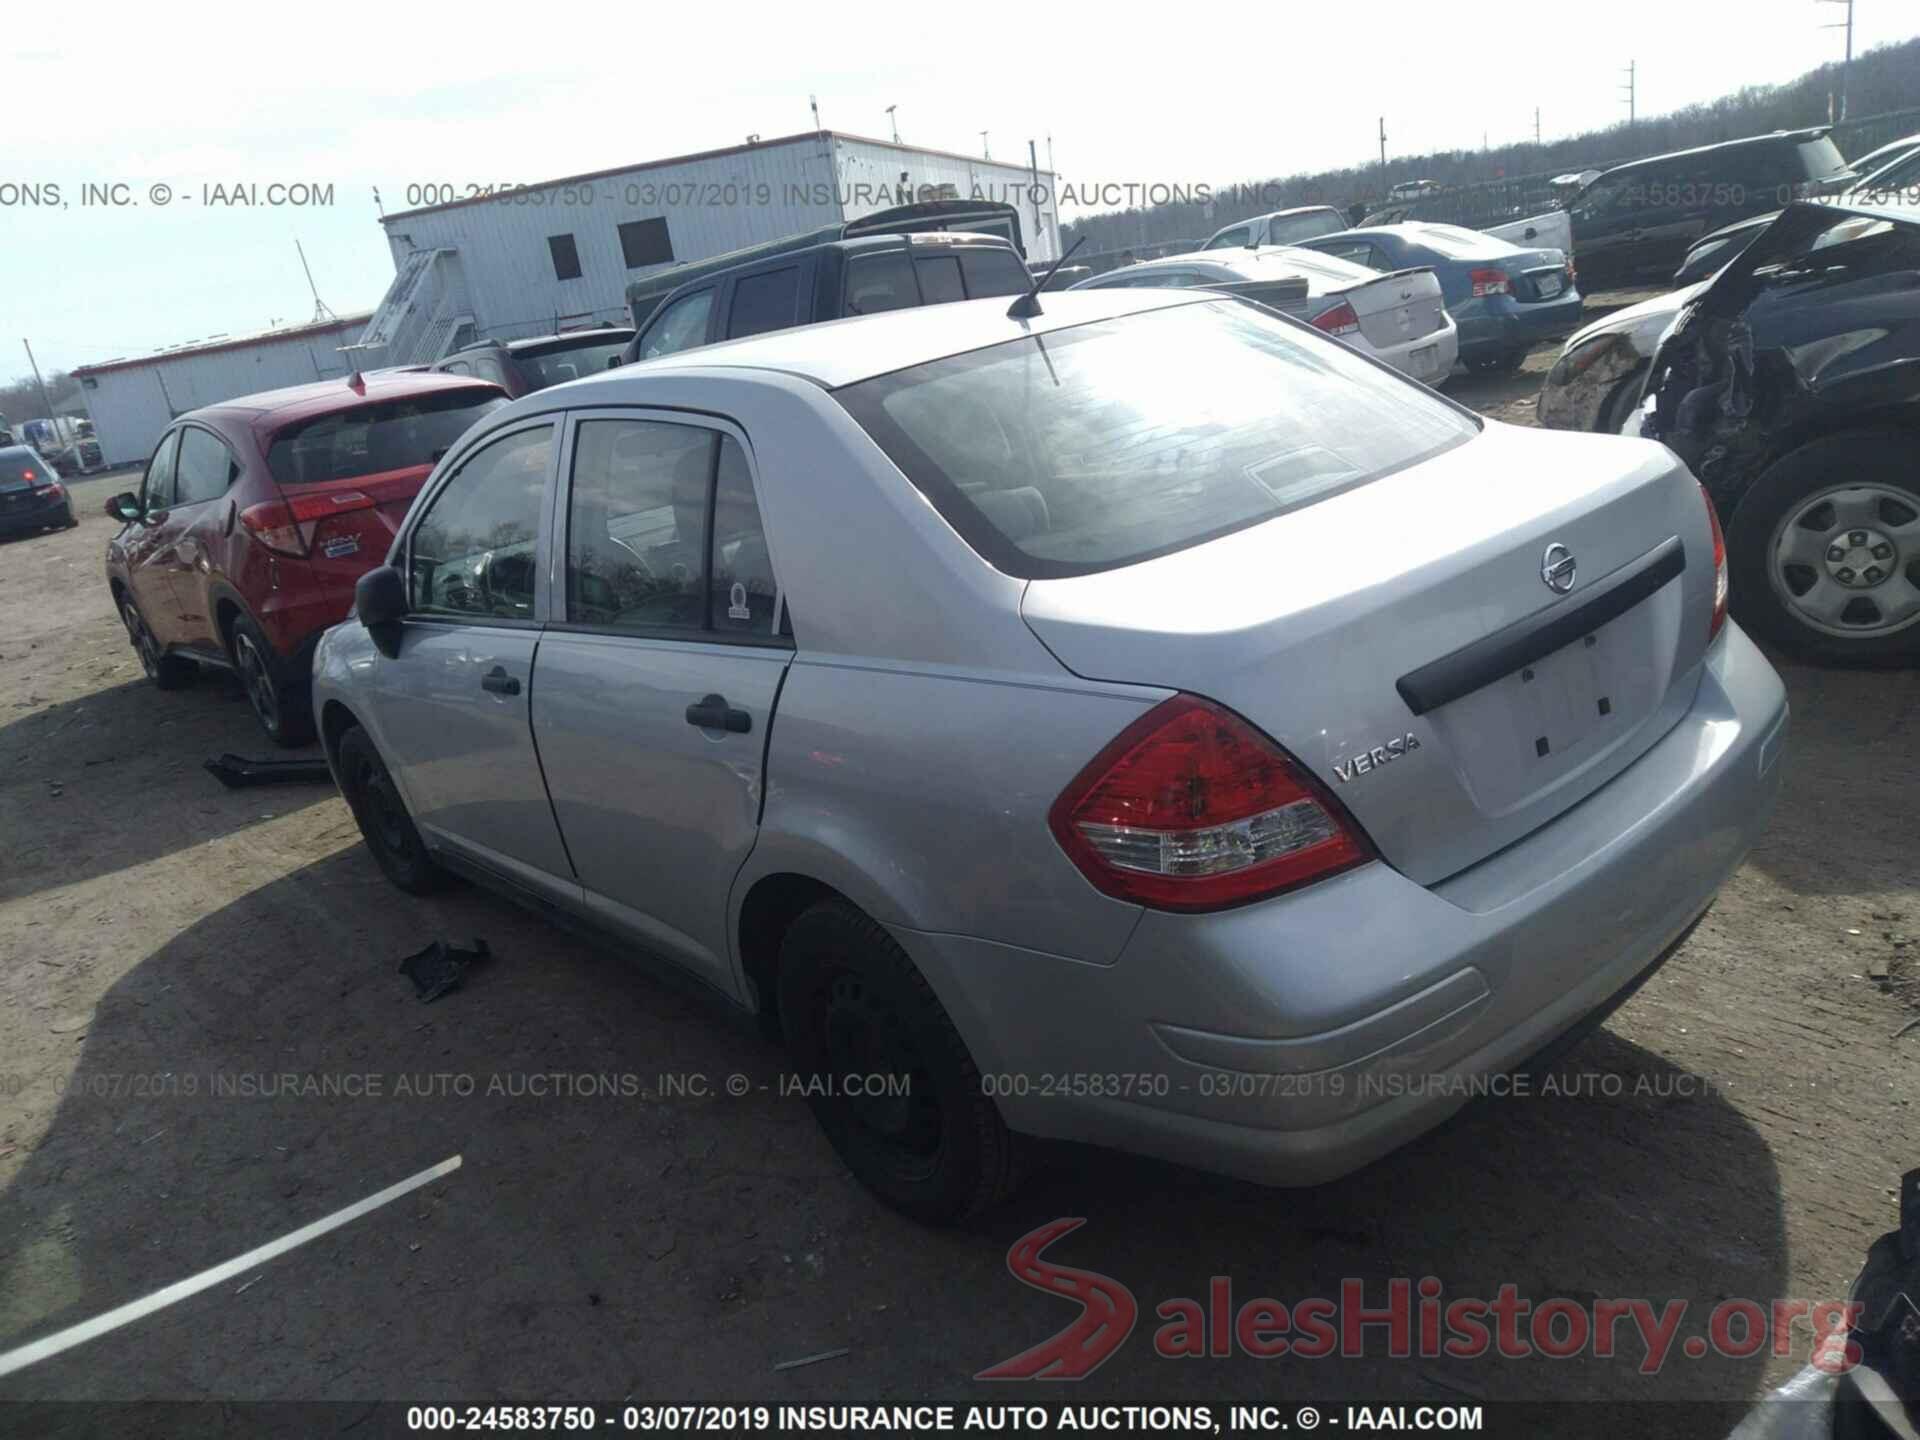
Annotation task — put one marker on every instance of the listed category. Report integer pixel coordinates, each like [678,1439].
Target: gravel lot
[1735,1131]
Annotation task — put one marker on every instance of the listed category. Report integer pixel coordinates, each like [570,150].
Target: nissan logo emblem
[1557,569]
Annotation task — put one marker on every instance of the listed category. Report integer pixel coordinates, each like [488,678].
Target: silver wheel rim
[260,692]
[1846,561]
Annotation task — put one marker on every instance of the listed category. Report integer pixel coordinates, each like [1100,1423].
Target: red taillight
[287,527]
[1340,320]
[1719,565]
[1191,808]
[27,475]
[1490,282]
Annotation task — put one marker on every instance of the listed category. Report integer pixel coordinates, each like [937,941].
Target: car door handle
[499,682]
[713,713]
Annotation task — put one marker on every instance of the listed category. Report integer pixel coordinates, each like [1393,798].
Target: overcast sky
[361,96]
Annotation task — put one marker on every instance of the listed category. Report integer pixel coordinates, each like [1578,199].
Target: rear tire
[382,816]
[1798,577]
[167,672]
[279,697]
[853,1005]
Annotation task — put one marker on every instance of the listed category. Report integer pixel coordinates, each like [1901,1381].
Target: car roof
[569,340]
[270,409]
[1796,137]
[843,352]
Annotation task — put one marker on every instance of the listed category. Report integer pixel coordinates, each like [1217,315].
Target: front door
[451,708]
[657,682]
[151,543]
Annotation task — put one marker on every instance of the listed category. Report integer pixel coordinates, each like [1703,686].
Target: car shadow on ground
[632,1220]
[102,780]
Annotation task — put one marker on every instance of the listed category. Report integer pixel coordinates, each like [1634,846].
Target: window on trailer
[566,257]
[646,242]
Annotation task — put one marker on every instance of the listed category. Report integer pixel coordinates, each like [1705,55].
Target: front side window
[1113,442]
[205,467]
[474,553]
[156,494]
[681,326]
[1239,235]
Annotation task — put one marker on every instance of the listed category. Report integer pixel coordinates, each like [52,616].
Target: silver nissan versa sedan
[1146,722]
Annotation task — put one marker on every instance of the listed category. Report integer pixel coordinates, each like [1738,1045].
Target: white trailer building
[132,400]
[558,255]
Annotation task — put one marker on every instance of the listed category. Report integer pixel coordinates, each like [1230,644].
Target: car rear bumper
[1295,1040]
[1508,323]
[1427,359]
[19,516]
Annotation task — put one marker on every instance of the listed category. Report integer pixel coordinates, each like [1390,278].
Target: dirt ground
[168,948]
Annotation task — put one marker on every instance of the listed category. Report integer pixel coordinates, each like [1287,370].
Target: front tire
[1824,551]
[167,672]
[382,816]
[852,1008]
[278,697]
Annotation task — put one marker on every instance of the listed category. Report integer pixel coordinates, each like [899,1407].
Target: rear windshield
[1304,227]
[554,367]
[1111,443]
[373,439]
[1821,158]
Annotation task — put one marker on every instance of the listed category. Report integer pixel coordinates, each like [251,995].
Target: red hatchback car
[257,515]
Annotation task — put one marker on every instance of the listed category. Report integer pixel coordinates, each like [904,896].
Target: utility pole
[894,121]
[35,365]
[1536,124]
[1383,147]
[985,148]
[1847,64]
[1633,80]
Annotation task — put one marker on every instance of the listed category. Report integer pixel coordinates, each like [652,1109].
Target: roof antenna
[1028,305]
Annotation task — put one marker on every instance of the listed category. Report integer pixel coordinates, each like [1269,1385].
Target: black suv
[521,367]
[1637,220]
[830,281]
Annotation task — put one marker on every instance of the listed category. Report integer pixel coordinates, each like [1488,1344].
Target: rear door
[658,678]
[451,709]
[150,542]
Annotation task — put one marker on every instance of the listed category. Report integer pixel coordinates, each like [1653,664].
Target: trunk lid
[1399,306]
[1401,641]
[1538,275]
[350,524]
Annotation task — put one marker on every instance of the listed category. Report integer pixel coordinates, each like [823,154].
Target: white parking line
[87,1330]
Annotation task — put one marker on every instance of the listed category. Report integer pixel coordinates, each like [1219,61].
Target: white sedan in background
[1398,318]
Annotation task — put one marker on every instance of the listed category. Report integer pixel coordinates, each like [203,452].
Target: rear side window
[1110,443]
[939,279]
[205,467]
[474,553]
[993,272]
[768,301]
[375,439]
[664,532]
[880,282]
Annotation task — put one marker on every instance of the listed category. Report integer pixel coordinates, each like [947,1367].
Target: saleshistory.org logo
[1416,1320]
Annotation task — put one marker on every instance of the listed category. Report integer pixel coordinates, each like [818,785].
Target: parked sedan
[1792,386]
[1505,299]
[1397,318]
[1147,689]
[31,495]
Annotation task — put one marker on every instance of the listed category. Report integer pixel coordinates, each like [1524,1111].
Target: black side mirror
[124,506]
[380,601]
